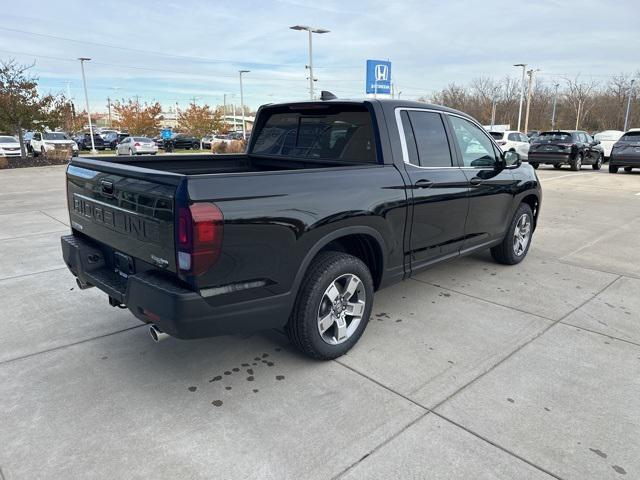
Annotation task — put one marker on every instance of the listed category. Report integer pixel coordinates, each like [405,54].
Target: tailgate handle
[106,187]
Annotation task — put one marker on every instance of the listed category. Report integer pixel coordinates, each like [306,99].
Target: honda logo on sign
[382,72]
[378,77]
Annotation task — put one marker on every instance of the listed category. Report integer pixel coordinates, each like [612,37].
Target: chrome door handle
[475,181]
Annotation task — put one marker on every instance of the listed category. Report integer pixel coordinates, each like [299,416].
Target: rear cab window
[630,137]
[340,132]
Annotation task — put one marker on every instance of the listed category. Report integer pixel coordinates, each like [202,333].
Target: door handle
[475,181]
[423,183]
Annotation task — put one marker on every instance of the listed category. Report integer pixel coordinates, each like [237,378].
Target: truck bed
[219,163]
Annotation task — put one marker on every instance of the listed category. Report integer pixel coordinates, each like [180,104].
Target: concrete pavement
[469,370]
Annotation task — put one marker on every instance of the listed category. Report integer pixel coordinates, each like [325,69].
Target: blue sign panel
[378,76]
[166,134]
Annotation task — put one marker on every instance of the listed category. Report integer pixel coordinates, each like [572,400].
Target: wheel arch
[363,242]
[533,201]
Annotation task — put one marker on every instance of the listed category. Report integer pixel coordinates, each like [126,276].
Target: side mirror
[596,142]
[512,159]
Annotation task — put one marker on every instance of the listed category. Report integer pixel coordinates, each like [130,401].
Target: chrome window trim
[403,140]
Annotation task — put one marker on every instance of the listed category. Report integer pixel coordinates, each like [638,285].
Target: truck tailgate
[133,216]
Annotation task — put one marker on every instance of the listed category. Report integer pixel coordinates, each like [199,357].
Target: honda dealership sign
[378,77]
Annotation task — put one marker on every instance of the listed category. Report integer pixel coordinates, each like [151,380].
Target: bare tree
[580,96]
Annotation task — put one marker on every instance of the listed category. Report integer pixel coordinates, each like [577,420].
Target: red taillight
[136,144]
[200,229]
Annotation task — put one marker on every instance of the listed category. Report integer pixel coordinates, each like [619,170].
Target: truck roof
[386,103]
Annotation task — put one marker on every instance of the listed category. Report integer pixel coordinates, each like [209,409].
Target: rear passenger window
[514,137]
[431,139]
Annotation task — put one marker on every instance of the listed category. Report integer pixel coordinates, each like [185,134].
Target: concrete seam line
[496,445]
[535,337]
[53,218]
[61,347]
[631,342]
[32,273]
[593,269]
[382,385]
[379,446]
[491,302]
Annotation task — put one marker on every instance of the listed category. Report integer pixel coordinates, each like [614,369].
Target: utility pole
[86,99]
[224,111]
[555,100]
[526,117]
[524,67]
[109,107]
[578,115]
[626,117]
[493,112]
[311,31]
[244,130]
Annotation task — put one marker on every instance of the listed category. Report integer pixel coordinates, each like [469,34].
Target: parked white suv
[512,140]
[43,142]
[607,140]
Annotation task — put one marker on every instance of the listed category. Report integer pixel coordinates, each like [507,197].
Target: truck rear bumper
[160,299]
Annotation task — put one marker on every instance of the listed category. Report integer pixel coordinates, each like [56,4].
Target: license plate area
[123,264]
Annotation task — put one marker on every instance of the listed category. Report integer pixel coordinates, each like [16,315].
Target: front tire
[598,164]
[516,242]
[628,169]
[557,166]
[576,163]
[535,165]
[333,306]
[613,169]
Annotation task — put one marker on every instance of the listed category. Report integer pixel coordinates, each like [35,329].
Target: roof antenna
[326,95]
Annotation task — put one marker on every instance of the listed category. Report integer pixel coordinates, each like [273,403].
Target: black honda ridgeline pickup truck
[332,201]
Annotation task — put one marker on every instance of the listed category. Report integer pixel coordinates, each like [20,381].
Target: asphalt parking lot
[471,370]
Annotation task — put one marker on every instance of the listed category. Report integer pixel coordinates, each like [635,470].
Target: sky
[192,50]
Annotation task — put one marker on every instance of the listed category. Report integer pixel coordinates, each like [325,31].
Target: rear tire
[598,164]
[327,278]
[535,165]
[515,245]
[628,169]
[576,163]
[557,166]
[613,169]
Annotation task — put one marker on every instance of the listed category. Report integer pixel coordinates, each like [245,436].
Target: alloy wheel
[521,234]
[341,309]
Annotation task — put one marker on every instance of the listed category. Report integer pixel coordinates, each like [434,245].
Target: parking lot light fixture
[86,99]
[553,112]
[244,129]
[524,68]
[311,31]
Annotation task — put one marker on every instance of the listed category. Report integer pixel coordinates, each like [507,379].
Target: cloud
[173,52]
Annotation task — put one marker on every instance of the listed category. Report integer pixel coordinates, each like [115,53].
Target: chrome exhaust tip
[157,335]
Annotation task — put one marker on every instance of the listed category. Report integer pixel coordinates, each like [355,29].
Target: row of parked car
[574,148]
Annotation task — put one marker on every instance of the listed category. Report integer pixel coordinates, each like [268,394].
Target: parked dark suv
[566,147]
[626,152]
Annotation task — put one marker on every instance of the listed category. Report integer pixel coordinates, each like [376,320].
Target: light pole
[524,67]
[626,117]
[553,113]
[311,31]
[86,99]
[244,131]
[526,117]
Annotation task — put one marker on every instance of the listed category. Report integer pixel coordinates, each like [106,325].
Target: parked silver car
[136,146]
